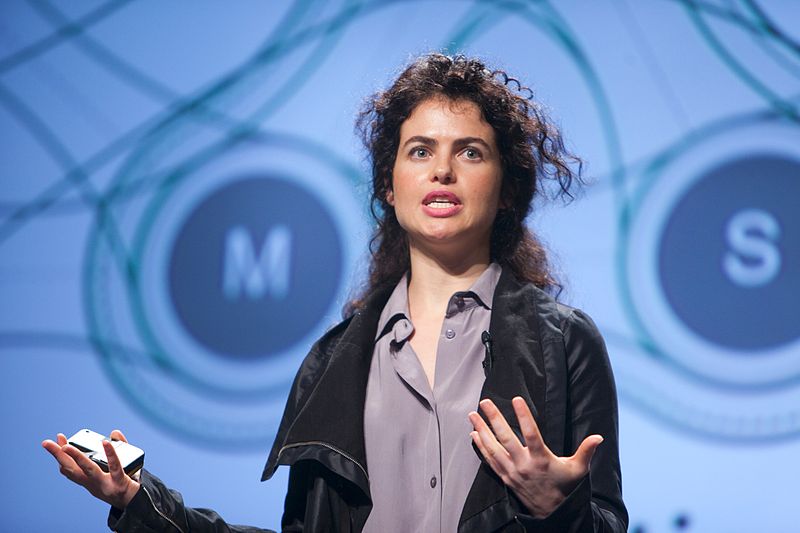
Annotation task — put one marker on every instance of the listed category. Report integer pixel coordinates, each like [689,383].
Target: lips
[440,199]
[441,204]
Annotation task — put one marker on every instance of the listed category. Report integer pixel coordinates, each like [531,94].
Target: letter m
[254,275]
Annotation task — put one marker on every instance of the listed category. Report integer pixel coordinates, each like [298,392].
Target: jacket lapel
[518,370]
[329,424]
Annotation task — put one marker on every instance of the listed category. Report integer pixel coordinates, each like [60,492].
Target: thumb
[586,450]
[117,435]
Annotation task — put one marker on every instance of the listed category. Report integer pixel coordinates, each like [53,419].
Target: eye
[472,154]
[419,152]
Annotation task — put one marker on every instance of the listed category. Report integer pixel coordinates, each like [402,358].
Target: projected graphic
[184,211]
[713,270]
[232,268]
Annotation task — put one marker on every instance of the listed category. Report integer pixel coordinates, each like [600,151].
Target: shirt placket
[449,334]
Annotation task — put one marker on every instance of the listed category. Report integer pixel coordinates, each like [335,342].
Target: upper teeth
[440,203]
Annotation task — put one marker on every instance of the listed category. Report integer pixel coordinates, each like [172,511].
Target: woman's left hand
[539,478]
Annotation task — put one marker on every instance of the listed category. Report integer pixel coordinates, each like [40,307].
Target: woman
[380,424]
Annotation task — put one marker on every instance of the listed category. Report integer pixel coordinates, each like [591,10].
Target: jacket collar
[332,416]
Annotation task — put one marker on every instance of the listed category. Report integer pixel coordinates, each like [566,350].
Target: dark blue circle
[252,324]
[695,244]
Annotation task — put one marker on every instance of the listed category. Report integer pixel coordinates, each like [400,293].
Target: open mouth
[441,200]
[441,204]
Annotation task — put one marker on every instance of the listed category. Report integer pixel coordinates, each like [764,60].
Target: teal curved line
[105,57]
[758,28]
[634,168]
[200,105]
[614,146]
[61,34]
[30,121]
[51,144]
[471,25]
[722,13]
[60,340]
[703,431]
[73,176]
[79,173]
[767,30]
[657,354]
[774,100]
[128,72]
[766,23]
[777,57]
[168,130]
[287,90]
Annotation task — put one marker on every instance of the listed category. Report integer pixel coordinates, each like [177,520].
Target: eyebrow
[463,141]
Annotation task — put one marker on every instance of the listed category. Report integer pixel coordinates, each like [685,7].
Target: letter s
[753,259]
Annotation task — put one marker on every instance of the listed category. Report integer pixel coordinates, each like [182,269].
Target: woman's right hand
[114,487]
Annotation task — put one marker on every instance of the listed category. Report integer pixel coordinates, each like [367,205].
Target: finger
[488,455]
[503,432]
[481,448]
[114,466]
[56,451]
[496,455]
[51,447]
[89,468]
[528,426]
[67,465]
[583,456]
[62,439]
[117,435]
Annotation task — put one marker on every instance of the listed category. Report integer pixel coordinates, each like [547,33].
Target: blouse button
[449,333]
[433,482]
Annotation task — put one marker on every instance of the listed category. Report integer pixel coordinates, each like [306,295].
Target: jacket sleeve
[595,505]
[156,509]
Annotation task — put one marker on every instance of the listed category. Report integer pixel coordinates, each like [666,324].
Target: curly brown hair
[531,148]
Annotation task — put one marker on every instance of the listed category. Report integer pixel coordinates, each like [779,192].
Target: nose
[443,171]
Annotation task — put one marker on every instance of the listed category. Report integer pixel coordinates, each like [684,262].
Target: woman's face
[447,176]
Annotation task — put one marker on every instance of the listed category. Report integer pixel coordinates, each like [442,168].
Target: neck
[434,278]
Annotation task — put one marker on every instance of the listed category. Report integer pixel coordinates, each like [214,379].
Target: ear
[390,197]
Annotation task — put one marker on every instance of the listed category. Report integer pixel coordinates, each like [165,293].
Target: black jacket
[550,354]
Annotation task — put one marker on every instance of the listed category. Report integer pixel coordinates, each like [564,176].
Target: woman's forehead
[444,116]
